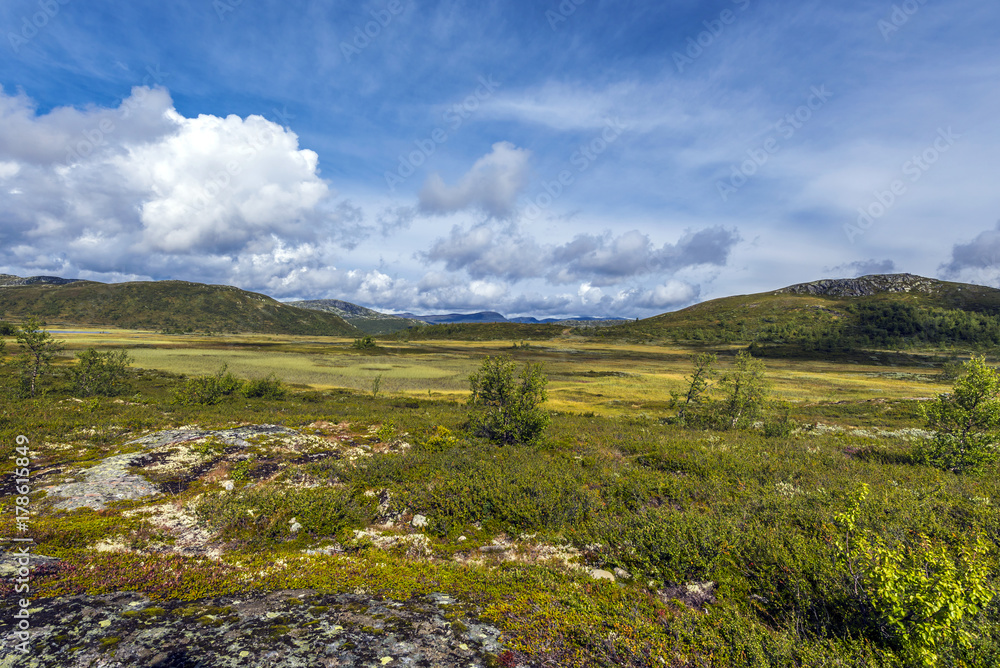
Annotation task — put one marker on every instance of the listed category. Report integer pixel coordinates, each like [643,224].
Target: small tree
[698,383]
[745,392]
[102,374]
[37,350]
[507,410]
[966,422]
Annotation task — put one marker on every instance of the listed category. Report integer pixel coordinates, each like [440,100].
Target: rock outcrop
[864,286]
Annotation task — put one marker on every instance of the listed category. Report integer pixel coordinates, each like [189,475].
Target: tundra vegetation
[756,511]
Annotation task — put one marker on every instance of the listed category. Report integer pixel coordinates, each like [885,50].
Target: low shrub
[261,516]
[269,387]
[101,374]
[207,390]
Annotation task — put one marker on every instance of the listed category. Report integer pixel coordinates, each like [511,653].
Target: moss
[277,631]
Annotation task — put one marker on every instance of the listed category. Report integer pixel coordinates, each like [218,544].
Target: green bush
[923,597]
[365,343]
[966,423]
[442,439]
[101,374]
[207,390]
[506,410]
[269,387]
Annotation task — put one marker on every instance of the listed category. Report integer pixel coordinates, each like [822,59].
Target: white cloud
[216,183]
[140,190]
[491,185]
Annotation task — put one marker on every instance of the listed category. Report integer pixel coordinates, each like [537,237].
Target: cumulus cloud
[862,268]
[140,191]
[492,185]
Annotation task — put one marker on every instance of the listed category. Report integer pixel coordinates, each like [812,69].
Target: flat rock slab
[110,480]
[290,629]
[237,436]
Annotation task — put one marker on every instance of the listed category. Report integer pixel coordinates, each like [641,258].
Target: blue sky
[544,158]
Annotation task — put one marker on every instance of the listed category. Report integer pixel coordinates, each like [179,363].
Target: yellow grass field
[600,377]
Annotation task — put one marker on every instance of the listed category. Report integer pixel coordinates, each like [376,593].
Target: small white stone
[294,525]
[228,485]
[461,538]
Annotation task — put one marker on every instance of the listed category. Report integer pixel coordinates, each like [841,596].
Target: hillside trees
[507,410]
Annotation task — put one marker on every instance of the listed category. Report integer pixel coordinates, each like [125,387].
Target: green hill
[164,305]
[889,310]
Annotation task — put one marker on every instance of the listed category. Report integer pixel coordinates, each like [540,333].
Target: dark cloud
[391,220]
[484,251]
[862,268]
[608,259]
[980,254]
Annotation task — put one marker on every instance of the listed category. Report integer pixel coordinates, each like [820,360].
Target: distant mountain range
[871,311]
[493,316]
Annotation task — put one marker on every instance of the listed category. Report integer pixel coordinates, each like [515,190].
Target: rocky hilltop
[865,286]
[10,281]
[341,308]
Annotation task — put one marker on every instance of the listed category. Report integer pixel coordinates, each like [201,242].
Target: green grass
[610,486]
